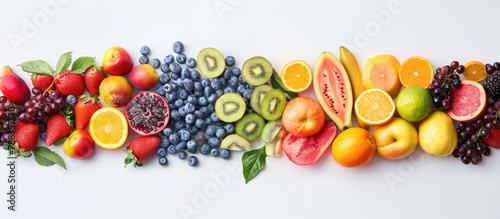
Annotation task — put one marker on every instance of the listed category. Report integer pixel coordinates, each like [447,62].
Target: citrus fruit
[374,107]
[468,102]
[108,128]
[414,103]
[416,71]
[382,71]
[296,76]
[353,147]
[475,71]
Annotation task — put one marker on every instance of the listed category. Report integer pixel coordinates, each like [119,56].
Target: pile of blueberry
[194,126]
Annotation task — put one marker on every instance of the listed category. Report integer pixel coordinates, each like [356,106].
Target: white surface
[281,31]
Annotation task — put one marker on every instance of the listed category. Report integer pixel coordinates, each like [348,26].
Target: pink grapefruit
[468,102]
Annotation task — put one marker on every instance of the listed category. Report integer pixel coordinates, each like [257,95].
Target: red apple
[303,117]
[79,145]
[117,61]
[13,87]
[143,77]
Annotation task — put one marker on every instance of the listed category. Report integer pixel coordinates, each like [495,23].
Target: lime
[414,103]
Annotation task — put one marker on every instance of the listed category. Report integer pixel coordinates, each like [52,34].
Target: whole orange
[353,147]
[303,117]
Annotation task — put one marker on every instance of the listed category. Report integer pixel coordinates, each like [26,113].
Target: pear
[13,87]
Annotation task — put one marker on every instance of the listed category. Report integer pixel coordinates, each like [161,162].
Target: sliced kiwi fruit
[211,62]
[275,147]
[230,107]
[250,126]
[235,142]
[258,94]
[271,129]
[273,104]
[257,70]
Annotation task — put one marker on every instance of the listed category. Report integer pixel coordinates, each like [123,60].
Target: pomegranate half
[147,113]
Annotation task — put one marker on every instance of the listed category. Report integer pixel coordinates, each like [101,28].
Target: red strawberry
[70,83]
[26,135]
[58,126]
[494,139]
[141,149]
[93,77]
[42,82]
[84,107]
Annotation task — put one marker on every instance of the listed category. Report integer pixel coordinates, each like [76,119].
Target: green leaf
[47,157]
[82,63]
[253,162]
[64,62]
[37,67]
[277,84]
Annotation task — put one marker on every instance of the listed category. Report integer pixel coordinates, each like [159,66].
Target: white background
[428,187]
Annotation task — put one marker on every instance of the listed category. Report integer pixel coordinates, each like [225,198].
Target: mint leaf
[37,67]
[253,162]
[64,62]
[81,64]
[277,84]
[47,157]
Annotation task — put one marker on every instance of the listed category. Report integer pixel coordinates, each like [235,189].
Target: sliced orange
[416,71]
[382,71]
[296,76]
[108,128]
[475,71]
[374,106]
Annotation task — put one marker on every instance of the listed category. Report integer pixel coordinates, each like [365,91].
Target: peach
[79,145]
[303,117]
[117,61]
[396,139]
[116,91]
[143,77]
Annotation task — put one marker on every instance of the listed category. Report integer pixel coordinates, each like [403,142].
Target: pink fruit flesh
[147,113]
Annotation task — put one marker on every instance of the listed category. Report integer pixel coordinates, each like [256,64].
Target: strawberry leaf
[81,64]
[253,162]
[47,157]
[37,67]
[64,62]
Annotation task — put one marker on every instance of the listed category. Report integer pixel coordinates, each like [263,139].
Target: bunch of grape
[41,105]
[8,112]
[445,80]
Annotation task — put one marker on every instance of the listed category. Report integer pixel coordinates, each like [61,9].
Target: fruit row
[185,106]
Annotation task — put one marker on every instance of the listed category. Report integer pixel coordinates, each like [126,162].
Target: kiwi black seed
[230,107]
[258,94]
[236,143]
[250,126]
[257,70]
[273,104]
[211,62]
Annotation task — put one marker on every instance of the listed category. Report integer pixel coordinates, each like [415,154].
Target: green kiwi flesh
[258,94]
[250,126]
[257,70]
[270,131]
[235,142]
[273,104]
[211,62]
[230,107]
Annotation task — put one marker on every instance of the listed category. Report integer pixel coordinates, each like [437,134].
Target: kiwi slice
[211,62]
[273,104]
[270,131]
[275,147]
[257,70]
[250,126]
[258,94]
[230,107]
[235,142]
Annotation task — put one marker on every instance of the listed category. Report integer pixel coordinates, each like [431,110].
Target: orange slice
[374,106]
[108,128]
[296,76]
[382,71]
[475,71]
[416,71]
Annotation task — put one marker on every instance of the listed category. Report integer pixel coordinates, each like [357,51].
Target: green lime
[414,103]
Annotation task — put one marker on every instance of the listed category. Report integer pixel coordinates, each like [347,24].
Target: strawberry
[93,77]
[84,107]
[70,83]
[42,82]
[58,126]
[26,135]
[493,139]
[141,149]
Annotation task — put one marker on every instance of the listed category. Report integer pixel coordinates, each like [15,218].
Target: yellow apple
[395,140]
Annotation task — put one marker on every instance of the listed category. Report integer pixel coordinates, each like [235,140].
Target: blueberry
[183,94]
[227,73]
[163,161]
[195,75]
[164,143]
[175,68]
[233,81]
[236,71]
[198,93]
[181,146]
[164,68]
[225,153]
[197,86]
[205,149]
[205,111]
[155,63]
[169,59]
[43,135]
[210,130]
[190,108]
[214,117]
[178,47]
[145,50]
[207,121]
[178,82]
[208,91]
[214,152]
[161,152]
[185,135]
[219,92]
[213,142]
[192,161]
[188,84]
[199,123]
[173,138]
[241,89]
[220,133]
[248,110]
[174,76]
[171,97]
[71,99]
[192,99]
[181,58]
[200,136]
[211,107]
[164,78]
[230,61]
[247,94]
[182,112]
[228,90]
[249,87]
[242,80]
[190,119]
[185,73]
[191,146]
[223,83]
[212,98]
[143,60]
[202,101]
[198,114]
[229,128]
[43,126]
[182,155]
[175,115]
[193,130]
[191,62]
[171,149]
[216,84]
[179,125]
[161,90]
[179,103]
[168,88]
[205,82]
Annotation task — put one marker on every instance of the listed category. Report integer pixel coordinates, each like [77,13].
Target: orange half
[375,107]
[108,128]
[296,76]
[475,71]
[416,71]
